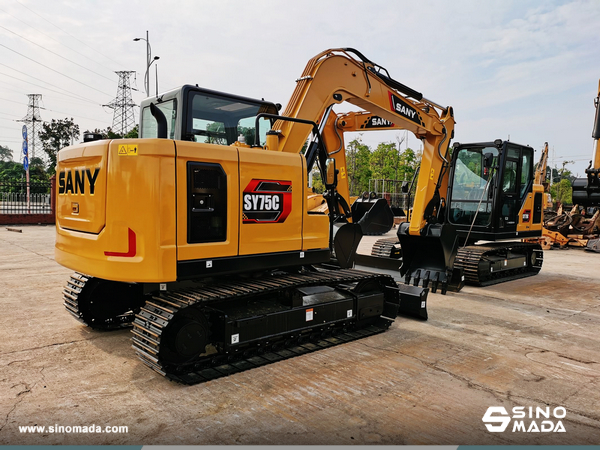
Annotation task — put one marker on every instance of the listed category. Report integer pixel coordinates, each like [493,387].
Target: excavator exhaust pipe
[374,215]
[428,259]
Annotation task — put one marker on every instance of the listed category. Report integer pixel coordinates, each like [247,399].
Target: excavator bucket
[346,237]
[429,260]
[374,215]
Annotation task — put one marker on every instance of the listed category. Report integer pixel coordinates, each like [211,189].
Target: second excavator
[475,192]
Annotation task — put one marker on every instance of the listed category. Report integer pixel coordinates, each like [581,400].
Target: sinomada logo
[525,419]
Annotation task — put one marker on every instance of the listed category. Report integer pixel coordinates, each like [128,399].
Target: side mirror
[331,172]
[488,160]
[404,187]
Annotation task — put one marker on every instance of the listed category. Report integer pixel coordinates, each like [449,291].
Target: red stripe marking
[132,246]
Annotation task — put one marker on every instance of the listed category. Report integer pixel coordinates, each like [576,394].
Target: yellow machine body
[133,227]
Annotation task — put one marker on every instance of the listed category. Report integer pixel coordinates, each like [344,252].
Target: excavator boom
[586,191]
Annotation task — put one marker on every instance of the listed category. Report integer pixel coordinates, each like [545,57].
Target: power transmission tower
[33,120]
[123,118]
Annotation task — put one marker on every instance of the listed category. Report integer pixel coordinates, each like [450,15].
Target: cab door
[510,199]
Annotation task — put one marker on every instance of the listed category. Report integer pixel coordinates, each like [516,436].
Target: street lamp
[149,61]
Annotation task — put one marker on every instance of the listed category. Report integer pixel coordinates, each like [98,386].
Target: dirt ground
[533,342]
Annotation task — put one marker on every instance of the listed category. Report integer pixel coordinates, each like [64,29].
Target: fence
[391,190]
[20,205]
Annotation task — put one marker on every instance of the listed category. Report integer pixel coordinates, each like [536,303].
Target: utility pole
[149,61]
[123,118]
[33,120]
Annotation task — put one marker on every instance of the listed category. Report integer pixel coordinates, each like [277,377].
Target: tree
[6,154]
[358,166]
[11,171]
[133,134]
[56,135]
[562,191]
[108,133]
[385,161]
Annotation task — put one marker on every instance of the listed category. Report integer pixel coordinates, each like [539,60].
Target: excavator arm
[586,191]
[345,75]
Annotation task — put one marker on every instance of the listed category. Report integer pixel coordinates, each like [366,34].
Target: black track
[109,313]
[476,271]
[152,321]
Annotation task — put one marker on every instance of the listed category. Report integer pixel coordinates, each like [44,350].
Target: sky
[524,70]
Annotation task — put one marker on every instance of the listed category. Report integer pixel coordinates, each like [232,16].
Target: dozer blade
[429,259]
[374,216]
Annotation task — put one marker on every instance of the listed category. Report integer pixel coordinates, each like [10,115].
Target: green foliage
[133,134]
[14,171]
[11,171]
[56,135]
[358,166]
[6,154]
[108,133]
[562,191]
[385,162]
[317,183]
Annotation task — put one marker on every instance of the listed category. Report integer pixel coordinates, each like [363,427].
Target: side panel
[81,181]
[273,201]
[530,214]
[137,243]
[227,158]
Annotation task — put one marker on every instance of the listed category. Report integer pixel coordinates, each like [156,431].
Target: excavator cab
[489,192]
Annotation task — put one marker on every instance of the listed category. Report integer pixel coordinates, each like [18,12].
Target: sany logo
[499,415]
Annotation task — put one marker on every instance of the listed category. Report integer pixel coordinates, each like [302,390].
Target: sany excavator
[586,191]
[482,192]
[198,232]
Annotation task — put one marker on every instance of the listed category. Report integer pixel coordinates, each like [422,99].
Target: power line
[68,114]
[51,90]
[67,33]
[12,101]
[53,70]
[43,81]
[54,53]
[53,38]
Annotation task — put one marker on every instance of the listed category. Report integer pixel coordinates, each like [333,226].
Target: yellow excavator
[586,191]
[480,192]
[199,233]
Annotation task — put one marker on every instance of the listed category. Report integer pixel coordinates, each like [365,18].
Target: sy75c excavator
[199,232]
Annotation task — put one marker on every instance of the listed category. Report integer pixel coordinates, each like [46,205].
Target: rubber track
[71,294]
[158,312]
[469,258]
[384,247]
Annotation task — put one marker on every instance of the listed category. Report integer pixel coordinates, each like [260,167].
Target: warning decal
[128,149]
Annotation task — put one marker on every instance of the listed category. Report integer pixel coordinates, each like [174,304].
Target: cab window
[220,120]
